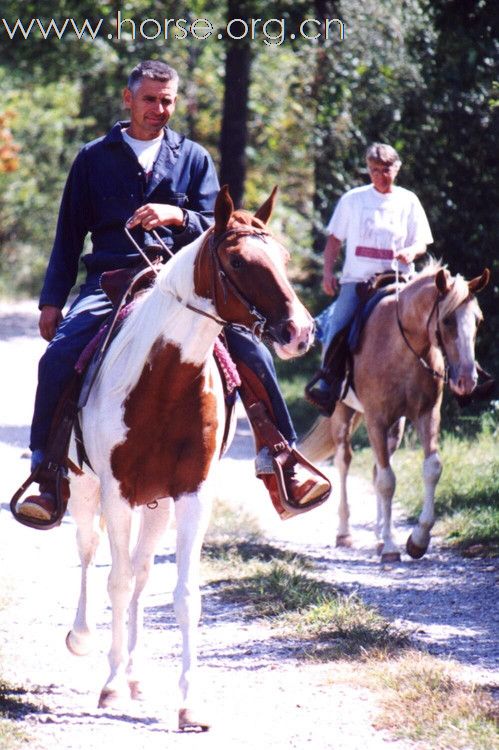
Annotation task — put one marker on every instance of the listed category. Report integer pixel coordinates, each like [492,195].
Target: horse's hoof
[343,540]
[107,698]
[414,550]
[136,693]
[390,557]
[188,722]
[78,645]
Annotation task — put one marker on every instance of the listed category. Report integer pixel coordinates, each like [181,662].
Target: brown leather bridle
[435,309]
[220,280]
[221,284]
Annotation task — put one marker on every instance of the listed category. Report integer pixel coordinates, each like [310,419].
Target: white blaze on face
[301,325]
[464,375]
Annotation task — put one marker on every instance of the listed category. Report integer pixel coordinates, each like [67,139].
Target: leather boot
[42,506]
[324,399]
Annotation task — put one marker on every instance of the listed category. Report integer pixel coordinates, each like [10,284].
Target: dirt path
[258,693]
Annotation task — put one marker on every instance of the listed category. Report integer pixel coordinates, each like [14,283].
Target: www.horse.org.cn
[272,31]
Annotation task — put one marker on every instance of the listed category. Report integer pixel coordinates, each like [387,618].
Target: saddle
[337,368]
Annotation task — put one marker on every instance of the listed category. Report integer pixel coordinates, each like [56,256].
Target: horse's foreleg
[83,506]
[395,434]
[153,525]
[419,539]
[385,489]
[428,428]
[384,485]
[192,514]
[118,517]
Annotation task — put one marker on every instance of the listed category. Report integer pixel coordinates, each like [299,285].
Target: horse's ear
[265,211]
[476,285]
[442,281]
[224,208]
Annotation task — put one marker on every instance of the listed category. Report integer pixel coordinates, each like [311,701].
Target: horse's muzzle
[291,340]
[464,381]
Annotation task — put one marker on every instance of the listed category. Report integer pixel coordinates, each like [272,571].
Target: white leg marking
[84,506]
[385,488]
[154,523]
[342,465]
[432,469]
[192,514]
[118,516]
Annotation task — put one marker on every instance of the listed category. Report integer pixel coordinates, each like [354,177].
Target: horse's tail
[318,444]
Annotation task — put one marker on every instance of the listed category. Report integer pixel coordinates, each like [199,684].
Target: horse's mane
[458,291]
[147,321]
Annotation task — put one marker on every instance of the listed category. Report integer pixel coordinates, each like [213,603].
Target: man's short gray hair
[155,70]
[383,153]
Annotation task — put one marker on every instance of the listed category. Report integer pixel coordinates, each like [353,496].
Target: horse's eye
[236,262]
[447,321]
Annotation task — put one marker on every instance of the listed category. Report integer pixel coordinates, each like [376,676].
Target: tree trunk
[234,129]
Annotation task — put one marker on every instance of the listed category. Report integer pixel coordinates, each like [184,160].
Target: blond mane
[458,291]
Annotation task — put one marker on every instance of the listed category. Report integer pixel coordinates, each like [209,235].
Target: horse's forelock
[245,218]
[457,294]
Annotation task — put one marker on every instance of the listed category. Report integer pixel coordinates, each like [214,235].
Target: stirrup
[61,504]
[288,504]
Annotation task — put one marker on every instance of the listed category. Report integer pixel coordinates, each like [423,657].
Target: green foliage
[46,124]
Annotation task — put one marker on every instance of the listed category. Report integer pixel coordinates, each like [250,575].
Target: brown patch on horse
[171,440]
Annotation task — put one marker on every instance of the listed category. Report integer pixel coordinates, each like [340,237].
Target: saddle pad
[361,316]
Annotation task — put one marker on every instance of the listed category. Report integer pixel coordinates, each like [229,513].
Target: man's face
[151,105]
[382,175]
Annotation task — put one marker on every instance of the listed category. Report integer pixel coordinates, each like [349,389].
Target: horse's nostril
[286,332]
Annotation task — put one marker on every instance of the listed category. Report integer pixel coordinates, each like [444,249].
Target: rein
[443,376]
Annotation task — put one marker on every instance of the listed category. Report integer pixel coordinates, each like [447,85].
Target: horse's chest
[171,425]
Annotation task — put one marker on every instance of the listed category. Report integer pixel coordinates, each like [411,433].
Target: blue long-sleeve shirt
[104,188]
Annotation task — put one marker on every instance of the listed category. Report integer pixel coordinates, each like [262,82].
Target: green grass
[283,589]
[425,700]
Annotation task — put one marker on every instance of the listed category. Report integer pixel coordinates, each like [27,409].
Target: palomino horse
[399,370]
[154,422]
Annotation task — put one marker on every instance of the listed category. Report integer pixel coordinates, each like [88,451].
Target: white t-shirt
[374,225]
[145,151]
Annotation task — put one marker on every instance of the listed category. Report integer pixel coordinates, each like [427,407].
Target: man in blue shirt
[146,174]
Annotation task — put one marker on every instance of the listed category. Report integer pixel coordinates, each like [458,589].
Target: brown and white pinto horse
[154,422]
[399,371]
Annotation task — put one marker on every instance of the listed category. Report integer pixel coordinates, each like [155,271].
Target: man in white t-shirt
[379,224]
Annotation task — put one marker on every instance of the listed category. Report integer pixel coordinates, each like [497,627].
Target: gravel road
[258,693]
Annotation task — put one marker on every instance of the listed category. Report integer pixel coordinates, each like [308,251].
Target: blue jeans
[339,314]
[56,368]
[86,315]
[257,357]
